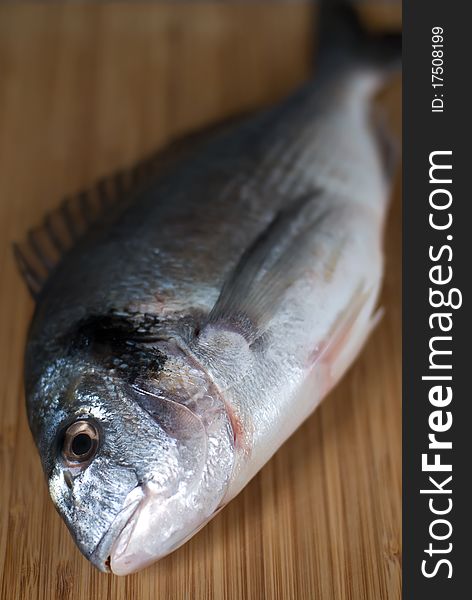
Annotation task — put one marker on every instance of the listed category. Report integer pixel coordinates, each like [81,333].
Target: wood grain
[90,88]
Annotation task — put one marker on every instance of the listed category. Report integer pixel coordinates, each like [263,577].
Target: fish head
[135,464]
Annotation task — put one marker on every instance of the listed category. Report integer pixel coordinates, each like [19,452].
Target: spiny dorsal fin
[45,246]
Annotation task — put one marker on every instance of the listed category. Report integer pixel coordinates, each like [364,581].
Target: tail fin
[342,38]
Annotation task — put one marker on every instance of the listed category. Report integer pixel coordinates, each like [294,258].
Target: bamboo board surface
[85,90]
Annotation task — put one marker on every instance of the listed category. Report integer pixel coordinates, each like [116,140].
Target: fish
[192,311]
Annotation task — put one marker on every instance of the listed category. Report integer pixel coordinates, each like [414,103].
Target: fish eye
[80,442]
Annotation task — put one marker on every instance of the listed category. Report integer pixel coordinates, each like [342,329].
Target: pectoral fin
[266,269]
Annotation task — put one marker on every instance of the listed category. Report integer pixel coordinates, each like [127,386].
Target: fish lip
[100,557]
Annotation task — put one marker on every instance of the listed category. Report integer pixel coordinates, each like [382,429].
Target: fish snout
[101,556]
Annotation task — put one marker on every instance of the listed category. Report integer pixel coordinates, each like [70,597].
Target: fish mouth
[101,556]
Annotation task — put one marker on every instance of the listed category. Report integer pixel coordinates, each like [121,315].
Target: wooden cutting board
[90,88]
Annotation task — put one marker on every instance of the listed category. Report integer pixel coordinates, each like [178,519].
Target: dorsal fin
[45,246]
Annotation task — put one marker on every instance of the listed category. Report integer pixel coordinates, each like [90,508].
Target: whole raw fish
[192,312]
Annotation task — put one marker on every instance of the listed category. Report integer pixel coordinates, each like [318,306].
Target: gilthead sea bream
[192,312]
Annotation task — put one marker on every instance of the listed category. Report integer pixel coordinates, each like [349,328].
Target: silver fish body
[184,338]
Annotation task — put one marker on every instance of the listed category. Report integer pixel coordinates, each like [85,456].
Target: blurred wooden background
[86,89]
